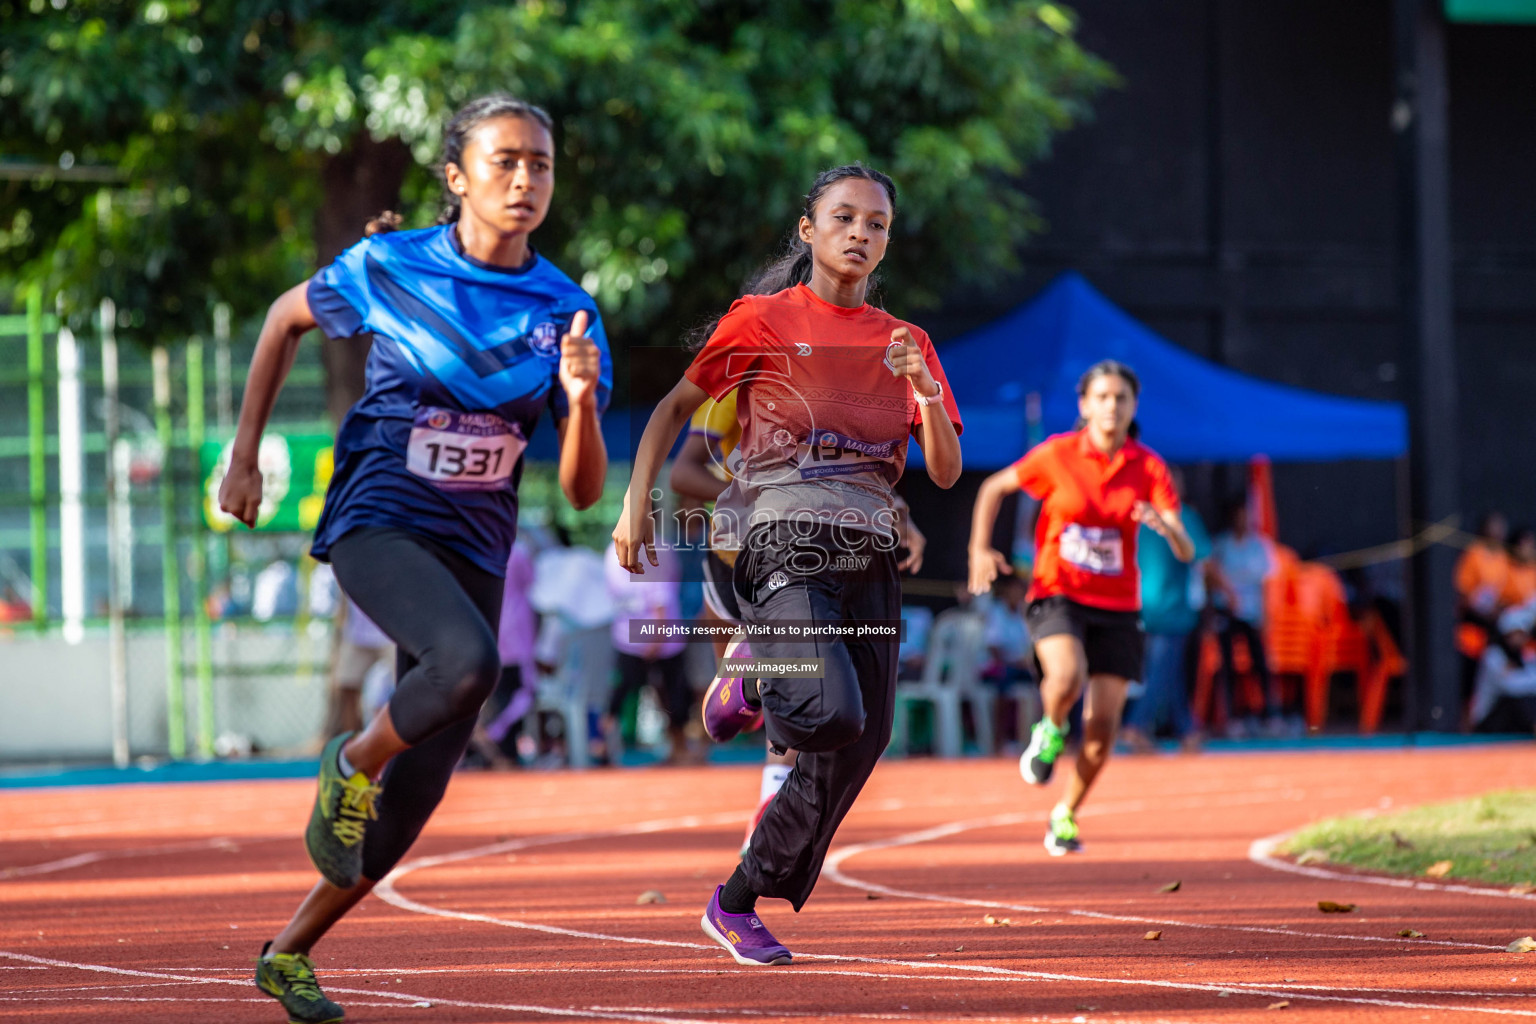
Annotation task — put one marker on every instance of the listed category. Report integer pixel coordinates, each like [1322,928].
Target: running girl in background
[1095,486]
[828,390]
[474,336]
[701,470]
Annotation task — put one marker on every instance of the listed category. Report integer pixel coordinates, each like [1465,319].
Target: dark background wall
[1237,194]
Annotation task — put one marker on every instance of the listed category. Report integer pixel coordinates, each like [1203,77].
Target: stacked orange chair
[1309,633]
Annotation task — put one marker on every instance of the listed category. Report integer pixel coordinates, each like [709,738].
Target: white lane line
[1394,991]
[396,997]
[1262,853]
[833,871]
[387,891]
[819,1014]
[223,843]
[163,999]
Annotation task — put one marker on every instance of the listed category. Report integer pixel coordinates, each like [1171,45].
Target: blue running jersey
[465,357]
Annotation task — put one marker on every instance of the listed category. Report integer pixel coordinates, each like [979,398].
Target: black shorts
[720,588]
[1113,641]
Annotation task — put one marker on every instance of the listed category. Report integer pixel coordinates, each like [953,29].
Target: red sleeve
[728,354]
[931,357]
[1162,494]
[1033,471]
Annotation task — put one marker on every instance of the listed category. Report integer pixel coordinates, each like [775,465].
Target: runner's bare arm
[985,560]
[936,434]
[636,530]
[288,319]
[691,475]
[913,539]
[583,456]
[1169,526]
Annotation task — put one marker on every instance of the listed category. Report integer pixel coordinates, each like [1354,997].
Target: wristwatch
[926,400]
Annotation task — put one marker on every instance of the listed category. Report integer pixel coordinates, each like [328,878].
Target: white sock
[773,779]
[347,771]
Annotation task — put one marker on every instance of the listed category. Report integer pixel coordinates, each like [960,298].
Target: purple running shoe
[726,711]
[743,936]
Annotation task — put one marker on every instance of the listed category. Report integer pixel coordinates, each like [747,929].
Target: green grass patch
[1491,838]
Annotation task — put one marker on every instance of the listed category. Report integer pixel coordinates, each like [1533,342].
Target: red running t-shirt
[824,422]
[1085,540]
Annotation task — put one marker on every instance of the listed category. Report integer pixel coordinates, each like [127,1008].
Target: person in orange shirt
[1521,585]
[1482,578]
[1097,486]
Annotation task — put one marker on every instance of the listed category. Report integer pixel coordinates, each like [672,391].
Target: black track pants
[841,723]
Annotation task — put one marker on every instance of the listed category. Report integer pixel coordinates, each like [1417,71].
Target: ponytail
[388,220]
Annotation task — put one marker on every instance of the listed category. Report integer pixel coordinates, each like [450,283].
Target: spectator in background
[1504,699]
[1010,656]
[570,593]
[1242,559]
[1171,599]
[1010,664]
[1521,586]
[917,623]
[516,686]
[274,593]
[324,591]
[658,663]
[362,646]
[1482,577]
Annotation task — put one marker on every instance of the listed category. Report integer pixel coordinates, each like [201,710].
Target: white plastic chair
[583,674]
[951,677]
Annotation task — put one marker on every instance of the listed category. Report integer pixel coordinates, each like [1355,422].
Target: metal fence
[130,620]
[135,619]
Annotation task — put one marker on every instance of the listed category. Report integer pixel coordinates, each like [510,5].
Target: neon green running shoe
[343,808]
[290,979]
[1061,838]
[1039,759]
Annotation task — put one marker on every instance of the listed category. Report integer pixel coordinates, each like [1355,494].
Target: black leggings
[441,611]
[841,723]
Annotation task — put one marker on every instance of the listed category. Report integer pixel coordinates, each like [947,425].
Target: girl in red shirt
[1096,486]
[829,390]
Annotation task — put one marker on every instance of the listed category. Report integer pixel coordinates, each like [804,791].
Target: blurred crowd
[1245,641]
[1496,605]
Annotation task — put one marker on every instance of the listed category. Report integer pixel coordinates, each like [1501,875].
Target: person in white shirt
[1243,561]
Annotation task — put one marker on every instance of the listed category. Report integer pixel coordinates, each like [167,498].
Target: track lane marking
[1262,853]
[387,891]
[396,998]
[833,871]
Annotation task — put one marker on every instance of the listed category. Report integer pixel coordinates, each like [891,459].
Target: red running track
[149,903]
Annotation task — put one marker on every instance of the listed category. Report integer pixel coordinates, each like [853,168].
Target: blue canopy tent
[1192,410]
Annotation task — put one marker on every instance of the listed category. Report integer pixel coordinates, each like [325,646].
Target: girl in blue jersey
[474,336]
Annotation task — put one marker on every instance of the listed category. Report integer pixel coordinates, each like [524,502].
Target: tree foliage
[181,106]
[687,132]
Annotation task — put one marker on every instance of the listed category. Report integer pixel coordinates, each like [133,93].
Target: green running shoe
[1061,838]
[290,979]
[1039,759]
[343,808]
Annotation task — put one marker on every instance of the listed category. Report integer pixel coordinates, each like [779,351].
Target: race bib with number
[1097,549]
[463,451]
[832,454]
